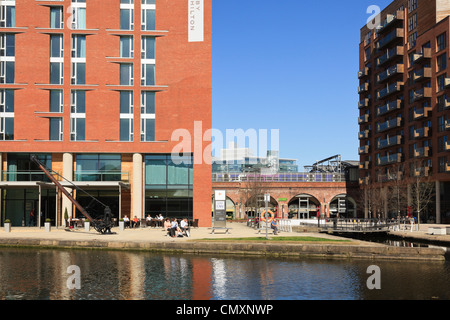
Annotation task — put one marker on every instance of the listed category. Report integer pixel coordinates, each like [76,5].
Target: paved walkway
[238,230]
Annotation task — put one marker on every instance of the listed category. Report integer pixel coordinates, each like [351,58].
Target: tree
[422,187]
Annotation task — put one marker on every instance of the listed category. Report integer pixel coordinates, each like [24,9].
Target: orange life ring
[263,216]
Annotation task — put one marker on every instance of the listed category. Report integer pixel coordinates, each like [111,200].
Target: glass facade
[21,168]
[98,167]
[168,186]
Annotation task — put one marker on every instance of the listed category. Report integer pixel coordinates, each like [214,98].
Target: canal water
[37,274]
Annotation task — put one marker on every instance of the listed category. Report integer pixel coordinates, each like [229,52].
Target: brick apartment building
[95,88]
[405,101]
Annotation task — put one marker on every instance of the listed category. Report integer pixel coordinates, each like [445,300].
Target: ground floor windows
[168,185]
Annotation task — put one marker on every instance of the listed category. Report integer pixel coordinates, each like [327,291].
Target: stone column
[68,174]
[438,202]
[136,187]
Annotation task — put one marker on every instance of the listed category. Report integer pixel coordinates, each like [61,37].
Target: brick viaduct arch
[324,192]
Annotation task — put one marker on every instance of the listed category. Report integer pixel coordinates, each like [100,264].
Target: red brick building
[96,88]
[404,104]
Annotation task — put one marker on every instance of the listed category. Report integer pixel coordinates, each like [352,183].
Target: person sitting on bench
[274,226]
[184,226]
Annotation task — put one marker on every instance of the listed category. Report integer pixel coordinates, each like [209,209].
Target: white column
[68,174]
[137,186]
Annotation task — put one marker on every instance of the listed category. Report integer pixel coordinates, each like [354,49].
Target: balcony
[447,167]
[363,72]
[421,133]
[391,20]
[100,175]
[390,106]
[422,74]
[363,88]
[392,71]
[447,124]
[389,159]
[396,34]
[364,165]
[422,152]
[422,172]
[447,146]
[389,55]
[447,82]
[363,134]
[364,180]
[390,124]
[389,90]
[363,150]
[363,103]
[389,142]
[420,94]
[422,56]
[421,113]
[363,119]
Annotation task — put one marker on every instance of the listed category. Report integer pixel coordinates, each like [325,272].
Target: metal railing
[362,225]
[288,177]
[25,176]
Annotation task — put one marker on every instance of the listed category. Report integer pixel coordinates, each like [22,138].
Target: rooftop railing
[280,177]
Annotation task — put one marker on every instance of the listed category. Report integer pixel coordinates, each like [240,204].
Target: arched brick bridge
[284,193]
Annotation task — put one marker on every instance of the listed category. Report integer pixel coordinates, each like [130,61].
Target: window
[168,182]
[56,46]
[126,74]
[441,123]
[7,45]
[126,116]
[412,40]
[78,14]
[56,129]
[412,22]
[441,102]
[6,114]
[56,18]
[441,42]
[147,74]
[442,142]
[8,15]
[148,48]
[147,116]
[442,164]
[441,82]
[98,167]
[56,73]
[126,47]
[77,115]
[441,62]
[56,101]
[148,17]
[126,15]
[79,46]
[7,72]
[412,5]
[78,73]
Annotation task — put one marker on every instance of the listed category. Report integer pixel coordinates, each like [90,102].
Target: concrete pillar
[438,202]
[68,174]
[137,189]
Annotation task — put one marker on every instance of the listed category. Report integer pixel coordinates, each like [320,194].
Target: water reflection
[42,275]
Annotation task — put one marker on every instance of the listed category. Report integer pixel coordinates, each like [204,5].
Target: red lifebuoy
[263,216]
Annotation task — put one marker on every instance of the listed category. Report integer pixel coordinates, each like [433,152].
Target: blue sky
[290,65]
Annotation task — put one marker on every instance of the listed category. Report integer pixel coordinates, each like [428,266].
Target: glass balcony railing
[390,89]
[390,124]
[421,152]
[388,107]
[396,69]
[25,176]
[391,36]
[363,73]
[389,142]
[391,20]
[363,134]
[421,132]
[363,103]
[101,176]
[421,113]
[389,159]
[421,94]
[363,149]
[390,54]
[363,88]
[419,57]
[422,74]
[363,119]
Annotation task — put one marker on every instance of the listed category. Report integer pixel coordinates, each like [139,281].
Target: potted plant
[7,225]
[121,224]
[87,225]
[47,224]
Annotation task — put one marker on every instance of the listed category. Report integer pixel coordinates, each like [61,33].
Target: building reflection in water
[42,274]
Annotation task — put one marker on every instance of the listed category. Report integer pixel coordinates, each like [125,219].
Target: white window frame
[144,8]
[60,131]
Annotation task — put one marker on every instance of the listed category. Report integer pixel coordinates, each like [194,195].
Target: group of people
[176,230]
[136,221]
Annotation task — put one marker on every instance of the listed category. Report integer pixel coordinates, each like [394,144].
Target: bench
[268,230]
[437,230]
[220,228]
